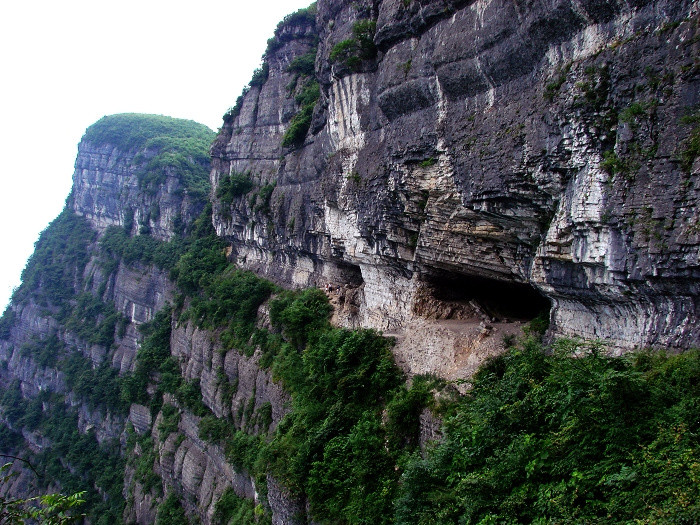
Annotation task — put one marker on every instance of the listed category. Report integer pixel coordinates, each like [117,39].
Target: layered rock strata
[535,150]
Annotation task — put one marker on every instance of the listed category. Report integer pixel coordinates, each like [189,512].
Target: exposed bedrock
[108,189]
[534,150]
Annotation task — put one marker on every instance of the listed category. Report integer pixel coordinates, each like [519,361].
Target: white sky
[64,65]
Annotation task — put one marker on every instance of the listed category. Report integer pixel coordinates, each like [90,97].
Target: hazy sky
[66,64]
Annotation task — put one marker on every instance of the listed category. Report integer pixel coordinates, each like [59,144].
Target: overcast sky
[66,64]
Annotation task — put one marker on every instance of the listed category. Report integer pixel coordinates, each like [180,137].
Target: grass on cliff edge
[166,145]
[131,131]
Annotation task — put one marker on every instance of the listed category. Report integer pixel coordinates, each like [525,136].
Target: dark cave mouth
[349,275]
[501,300]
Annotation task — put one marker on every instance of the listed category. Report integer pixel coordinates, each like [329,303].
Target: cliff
[476,180]
[526,159]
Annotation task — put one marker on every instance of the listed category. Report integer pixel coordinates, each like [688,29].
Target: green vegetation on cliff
[69,278]
[55,269]
[97,469]
[562,433]
[134,131]
[165,145]
[566,435]
[353,51]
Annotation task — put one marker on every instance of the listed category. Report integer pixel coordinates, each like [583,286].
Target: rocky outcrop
[228,379]
[110,189]
[74,293]
[199,470]
[139,292]
[523,158]
[468,166]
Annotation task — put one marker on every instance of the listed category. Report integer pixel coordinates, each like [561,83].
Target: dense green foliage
[45,352]
[199,265]
[549,437]
[55,269]
[235,185]
[91,319]
[97,387]
[53,278]
[230,300]
[144,249]
[170,512]
[353,51]
[166,145]
[144,462]
[132,131]
[564,434]
[300,123]
[260,75]
[303,64]
[331,446]
[7,321]
[117,245]
[76,461]
[56,279]
[53,509]
[188,159]
[232,510]
[153,354]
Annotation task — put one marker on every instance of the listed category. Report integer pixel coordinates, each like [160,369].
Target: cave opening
[500,300]
[348,275]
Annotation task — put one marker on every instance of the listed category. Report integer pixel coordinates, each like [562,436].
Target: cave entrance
[343,282]
[349,274]
[450,295]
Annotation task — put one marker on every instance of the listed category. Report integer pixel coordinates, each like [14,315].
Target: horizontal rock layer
[528,148]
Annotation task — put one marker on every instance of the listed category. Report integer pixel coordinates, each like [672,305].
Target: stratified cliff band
[200,335]
[542,151]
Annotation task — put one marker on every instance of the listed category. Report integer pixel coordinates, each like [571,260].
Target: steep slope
[457,171]
[478,156]
[73,323]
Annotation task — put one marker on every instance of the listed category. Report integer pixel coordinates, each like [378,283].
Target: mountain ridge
[477,202]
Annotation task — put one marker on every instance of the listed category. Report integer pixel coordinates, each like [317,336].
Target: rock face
[519,157]
[468,166]
[108,192]
[111,189]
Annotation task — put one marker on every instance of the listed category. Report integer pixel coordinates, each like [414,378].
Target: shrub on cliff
[550,436]
[300,123]
[353,51]
[233,186]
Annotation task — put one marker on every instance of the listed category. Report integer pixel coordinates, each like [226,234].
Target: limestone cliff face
[502,155]
[468,165]
[111,188]
[108,192]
